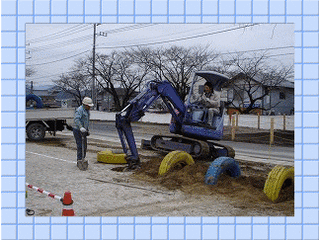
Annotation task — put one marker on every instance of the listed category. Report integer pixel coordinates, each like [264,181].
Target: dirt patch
[244,192]
[260,136]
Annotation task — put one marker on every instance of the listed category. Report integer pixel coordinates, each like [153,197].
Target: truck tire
[222,165]
[36,131]
[276,179]
[174,158]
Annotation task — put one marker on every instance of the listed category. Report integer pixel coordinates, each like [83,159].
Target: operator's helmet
[87,101]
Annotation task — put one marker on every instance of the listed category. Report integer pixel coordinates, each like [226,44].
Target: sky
[51,49]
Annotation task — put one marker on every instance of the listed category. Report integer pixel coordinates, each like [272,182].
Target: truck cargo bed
[49,114]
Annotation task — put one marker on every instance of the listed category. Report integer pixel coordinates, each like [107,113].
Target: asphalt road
[244,151]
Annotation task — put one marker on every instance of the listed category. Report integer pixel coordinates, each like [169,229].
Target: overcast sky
[51,49]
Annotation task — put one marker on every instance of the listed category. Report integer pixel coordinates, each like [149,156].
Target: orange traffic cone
[67,203]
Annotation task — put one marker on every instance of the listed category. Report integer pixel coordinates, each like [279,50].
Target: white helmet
[87,101]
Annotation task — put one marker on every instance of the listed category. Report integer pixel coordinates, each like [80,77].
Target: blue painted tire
[219,166]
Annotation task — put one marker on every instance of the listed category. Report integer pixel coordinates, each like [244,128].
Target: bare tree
[30,71]
[76,82]
[253,78]
[118,70]
[174,64]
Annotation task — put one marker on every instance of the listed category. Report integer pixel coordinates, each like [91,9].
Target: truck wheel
[36,131]
[276,179]
[174,158]
[222,165]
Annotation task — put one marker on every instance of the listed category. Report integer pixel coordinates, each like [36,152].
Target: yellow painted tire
[172,158]
[276,177]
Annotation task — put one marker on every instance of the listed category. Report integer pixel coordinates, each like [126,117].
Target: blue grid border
[305,16]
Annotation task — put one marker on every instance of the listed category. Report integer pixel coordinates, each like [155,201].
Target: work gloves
[84,132]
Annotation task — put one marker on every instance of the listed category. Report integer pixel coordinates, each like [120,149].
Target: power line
[62,44]
[37,64]
[275,48]
[260,49]
[129,28]
[181,39]
[66,32]
[72,41]
[57,75]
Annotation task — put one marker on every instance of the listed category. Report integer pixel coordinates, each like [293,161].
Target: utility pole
[93,67]
[94,91]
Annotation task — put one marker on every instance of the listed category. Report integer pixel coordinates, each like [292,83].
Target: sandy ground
[103,190]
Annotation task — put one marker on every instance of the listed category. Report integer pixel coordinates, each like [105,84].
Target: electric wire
[270,56]
[37,64]
[66,32]
[179,39]
[62,44]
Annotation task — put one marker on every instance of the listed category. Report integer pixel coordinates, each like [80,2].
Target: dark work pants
[78,137]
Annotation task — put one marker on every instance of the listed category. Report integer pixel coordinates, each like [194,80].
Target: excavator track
[196,148]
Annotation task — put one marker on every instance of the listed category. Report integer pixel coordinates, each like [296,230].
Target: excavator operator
[211,100]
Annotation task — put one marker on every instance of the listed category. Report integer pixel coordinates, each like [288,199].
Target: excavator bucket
[108,156]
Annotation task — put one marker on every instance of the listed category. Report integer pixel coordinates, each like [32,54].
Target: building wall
[279,106]
[282,106]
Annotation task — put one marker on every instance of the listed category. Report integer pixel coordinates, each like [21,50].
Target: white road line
[51,157]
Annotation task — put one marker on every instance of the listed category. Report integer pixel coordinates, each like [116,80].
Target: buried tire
[278,177]
[173,159]
[219,166]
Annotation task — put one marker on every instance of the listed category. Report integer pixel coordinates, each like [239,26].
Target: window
[282,95]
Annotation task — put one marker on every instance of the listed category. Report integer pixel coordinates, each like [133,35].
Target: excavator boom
[137,108]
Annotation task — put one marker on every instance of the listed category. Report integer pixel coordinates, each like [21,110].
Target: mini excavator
[191,131]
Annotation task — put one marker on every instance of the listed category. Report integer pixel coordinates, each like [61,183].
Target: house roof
[42,90]
[259,78]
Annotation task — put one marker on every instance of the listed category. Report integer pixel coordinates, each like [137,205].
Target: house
[66,100]
[279,97]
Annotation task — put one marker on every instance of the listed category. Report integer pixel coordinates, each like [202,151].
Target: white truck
[42,120]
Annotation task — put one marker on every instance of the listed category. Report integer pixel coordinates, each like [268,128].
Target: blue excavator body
[189,120]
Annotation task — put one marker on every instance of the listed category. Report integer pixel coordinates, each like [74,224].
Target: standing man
[81,131]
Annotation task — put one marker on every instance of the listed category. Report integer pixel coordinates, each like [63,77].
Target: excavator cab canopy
[217,79]
[200,78]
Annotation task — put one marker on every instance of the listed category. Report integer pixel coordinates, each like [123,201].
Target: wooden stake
[237,119]
[258,120]
[284,122]
[272,131]
[233,130]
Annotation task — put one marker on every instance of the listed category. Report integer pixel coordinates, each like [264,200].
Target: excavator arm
[137,108]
